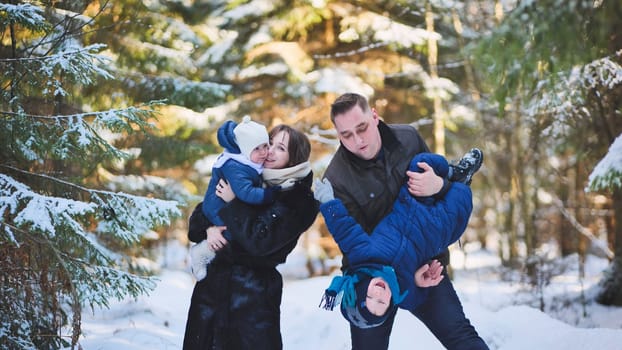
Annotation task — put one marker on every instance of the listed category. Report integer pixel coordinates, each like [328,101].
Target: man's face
[359,133]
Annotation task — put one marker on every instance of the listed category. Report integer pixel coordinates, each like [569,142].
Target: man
[366,173]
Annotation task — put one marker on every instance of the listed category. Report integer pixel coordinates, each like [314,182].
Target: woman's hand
[215,240]
[224,191]
[429,275]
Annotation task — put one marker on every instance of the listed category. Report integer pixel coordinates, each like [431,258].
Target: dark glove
[323,190]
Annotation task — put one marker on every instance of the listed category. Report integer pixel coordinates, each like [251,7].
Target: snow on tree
[63,236]
[607,175]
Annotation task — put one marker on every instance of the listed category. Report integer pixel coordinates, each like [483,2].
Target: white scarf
[225,156]
[286,177]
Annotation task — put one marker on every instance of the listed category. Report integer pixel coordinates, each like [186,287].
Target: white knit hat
[250,134]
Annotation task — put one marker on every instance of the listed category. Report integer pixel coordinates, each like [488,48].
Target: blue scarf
[342,288]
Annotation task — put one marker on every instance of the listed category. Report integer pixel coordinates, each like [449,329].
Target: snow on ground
[506,314]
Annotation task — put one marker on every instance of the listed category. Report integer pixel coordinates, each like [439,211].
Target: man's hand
[424,184]
[429,275]
[323,190]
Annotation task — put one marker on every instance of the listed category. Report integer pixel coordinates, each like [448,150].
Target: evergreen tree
[558,83]
[62,234]
[155,53]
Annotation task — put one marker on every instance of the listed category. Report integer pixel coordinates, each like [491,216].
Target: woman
[238,305]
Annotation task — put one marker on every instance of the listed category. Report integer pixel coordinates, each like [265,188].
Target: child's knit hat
[250,134]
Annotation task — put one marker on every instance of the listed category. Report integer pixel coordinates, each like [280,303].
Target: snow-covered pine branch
[565,92]
[103,283]
[51,62]
[607,175]
[564,97]
[76,64]
[38,213]
[124,216]
[26,15]
[128,217]
[149,184]
[72,136]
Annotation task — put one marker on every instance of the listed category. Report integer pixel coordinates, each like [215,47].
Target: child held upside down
[381,275]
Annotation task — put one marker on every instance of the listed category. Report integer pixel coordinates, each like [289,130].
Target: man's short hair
[346,102]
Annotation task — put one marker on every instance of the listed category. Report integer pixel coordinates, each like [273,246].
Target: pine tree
[62,234]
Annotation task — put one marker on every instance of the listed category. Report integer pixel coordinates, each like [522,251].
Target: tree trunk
[514,172]
[567,233]
[439,117]
[525,217]
[611,293]
[531,230]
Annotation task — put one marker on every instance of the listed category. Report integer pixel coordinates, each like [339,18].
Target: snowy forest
[109,111]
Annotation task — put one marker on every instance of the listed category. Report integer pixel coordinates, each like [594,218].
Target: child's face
[278,156]
[378,296]
[259,153]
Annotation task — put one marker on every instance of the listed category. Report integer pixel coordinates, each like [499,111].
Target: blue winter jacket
[426,226]
[244,180]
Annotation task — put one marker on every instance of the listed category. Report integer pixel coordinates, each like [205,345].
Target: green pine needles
[64,237]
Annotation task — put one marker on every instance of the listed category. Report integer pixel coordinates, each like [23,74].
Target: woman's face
[278,155]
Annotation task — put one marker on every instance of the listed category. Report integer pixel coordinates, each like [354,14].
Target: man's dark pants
[443,315]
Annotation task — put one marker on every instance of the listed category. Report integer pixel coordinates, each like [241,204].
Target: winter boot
[467,166]
[201,255]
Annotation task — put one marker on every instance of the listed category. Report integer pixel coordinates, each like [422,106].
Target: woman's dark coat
[237,306]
